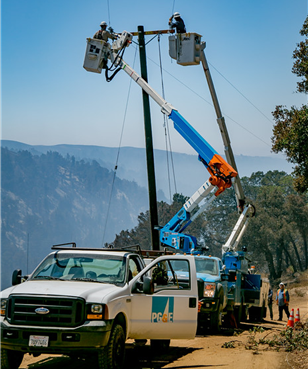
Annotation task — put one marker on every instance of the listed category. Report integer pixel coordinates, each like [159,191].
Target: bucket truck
[246,291]
[228,291]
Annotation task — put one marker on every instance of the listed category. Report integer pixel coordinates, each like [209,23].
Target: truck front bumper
[61,340]
[209,305]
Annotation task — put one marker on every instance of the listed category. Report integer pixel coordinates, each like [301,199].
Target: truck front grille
[62,311]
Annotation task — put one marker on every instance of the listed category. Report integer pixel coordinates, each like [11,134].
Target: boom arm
[246,210]
[221,173]
[189,50]
[239,193]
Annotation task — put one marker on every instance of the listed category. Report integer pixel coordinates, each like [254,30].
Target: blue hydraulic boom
[221,173]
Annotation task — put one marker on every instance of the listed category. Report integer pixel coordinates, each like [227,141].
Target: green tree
[290,133]
[300,54]
[141,233]
[277,236]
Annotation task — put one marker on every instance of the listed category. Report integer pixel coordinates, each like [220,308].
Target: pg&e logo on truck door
[162,309]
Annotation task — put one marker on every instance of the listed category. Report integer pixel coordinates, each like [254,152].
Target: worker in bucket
[103,34]
[177,22]
[282,300]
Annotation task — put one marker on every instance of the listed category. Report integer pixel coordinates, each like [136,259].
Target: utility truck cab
[90,301]
[213,290]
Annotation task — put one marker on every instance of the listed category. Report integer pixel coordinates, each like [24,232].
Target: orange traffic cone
[297,318]
[291,319]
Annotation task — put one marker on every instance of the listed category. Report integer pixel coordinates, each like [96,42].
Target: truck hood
[87,290]
[208,277]
[205,277]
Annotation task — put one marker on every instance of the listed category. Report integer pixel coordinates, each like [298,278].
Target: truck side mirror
[148,285]
[16,277]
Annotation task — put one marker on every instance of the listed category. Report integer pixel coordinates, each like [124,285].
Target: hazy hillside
[189,172]
[49,199]
[57,194]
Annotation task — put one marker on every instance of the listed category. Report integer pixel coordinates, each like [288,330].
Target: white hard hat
[103,24]
[176,15]
[281,284]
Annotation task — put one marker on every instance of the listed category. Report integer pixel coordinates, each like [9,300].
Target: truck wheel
[112,356]
[260,312]
[263,312]
[216,320]
[160,346]
[254,314]
[238,311]
[11,359]
[244,313]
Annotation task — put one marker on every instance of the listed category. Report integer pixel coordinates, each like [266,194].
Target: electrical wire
[164,117]
[118,155]
[208,102]
[166,127]
[108,12]
[173,6]
[241,94]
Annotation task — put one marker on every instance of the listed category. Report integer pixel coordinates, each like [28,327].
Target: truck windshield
[206,266]
[69,266]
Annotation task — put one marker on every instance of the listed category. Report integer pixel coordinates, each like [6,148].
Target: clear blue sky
[48,98]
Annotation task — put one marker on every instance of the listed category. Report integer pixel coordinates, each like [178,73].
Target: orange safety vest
[286,302]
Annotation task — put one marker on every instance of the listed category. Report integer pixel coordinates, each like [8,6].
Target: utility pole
[148,144]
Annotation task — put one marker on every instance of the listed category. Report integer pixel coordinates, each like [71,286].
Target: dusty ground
[205,351]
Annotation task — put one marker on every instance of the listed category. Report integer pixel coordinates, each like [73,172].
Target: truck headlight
[209,289]
[97,312]
[96,309]
[3,306]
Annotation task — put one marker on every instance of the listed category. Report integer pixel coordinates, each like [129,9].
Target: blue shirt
[281,298]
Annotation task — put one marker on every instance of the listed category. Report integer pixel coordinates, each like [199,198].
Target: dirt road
[205,351]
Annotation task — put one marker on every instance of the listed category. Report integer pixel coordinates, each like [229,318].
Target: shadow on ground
[135,358]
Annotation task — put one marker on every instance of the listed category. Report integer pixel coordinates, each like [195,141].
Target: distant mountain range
[189,172]
[62,193]
[49,199]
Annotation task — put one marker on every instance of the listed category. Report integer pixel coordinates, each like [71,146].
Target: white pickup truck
[83,301]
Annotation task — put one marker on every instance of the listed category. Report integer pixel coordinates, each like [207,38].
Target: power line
[118,154]
[208,102]
[166,127]
[173,6]
[241,94]
[108,12]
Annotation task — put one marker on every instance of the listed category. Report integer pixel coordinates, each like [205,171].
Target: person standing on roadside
[270,302]
[282,300]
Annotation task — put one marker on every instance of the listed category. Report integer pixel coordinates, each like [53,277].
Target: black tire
[252,314]
[11,359]
[160,346]
[255,314]
[259,314]
[112,356]
[216,320]
[265,312]
[238,312]
[262,311]
[244,313]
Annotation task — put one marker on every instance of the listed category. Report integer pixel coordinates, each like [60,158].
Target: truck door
[170,310]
